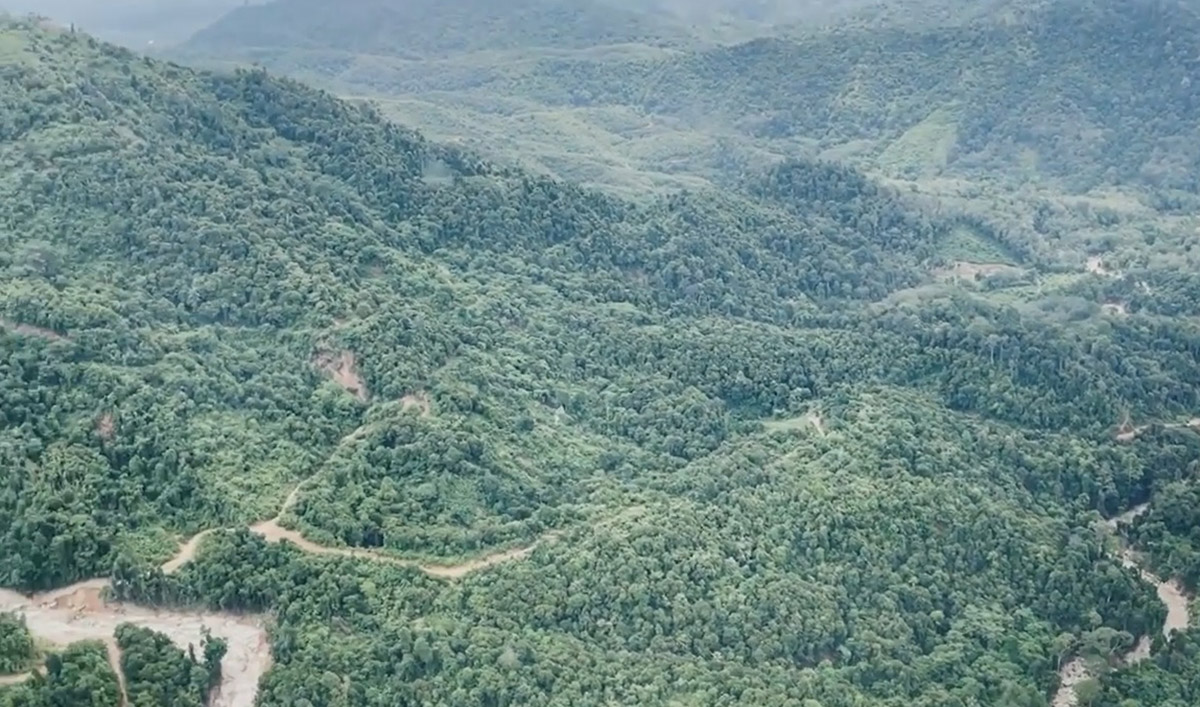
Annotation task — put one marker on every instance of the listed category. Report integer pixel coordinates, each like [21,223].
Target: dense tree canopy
[16,645]
[767,454]
[80,675]
[157,674]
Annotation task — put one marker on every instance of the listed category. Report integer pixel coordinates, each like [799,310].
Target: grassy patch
[965,244]
[14,48]
[803,422]
[924,148]
[150,542]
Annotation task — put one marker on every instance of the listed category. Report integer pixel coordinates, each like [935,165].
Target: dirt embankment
[106,426]
[343,368]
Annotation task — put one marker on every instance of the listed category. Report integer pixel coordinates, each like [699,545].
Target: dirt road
[79,612]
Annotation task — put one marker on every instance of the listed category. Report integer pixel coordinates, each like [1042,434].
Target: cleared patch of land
[343,368]
[417,401]
[964,271]
[809,420]
[79,613]
[30,330]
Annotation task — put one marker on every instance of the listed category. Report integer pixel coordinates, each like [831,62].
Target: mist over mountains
[135,23]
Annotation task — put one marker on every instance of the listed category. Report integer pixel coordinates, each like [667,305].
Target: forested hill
[1087,91]
[154,216]
[746,447]
[425,28]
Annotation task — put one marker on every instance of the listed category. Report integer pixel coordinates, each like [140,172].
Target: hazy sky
[134,22]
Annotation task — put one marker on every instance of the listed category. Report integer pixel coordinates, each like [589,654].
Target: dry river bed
[1172,595]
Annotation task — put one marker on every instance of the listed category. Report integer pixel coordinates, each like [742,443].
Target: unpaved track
[272,532]
[1127,432]
[186,553]
[16,679]
[29,330]
[78,612]
[114,661]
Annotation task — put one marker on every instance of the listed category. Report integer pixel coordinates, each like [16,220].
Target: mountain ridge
[785,458]
[1017,91]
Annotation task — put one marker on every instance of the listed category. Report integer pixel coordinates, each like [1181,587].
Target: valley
[584,352]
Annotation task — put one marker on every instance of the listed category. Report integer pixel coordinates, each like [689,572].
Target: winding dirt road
[79,612]
[273,532]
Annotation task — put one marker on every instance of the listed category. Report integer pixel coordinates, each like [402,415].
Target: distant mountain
[425,28]
[1091,92]
[1085,92]
[786,12]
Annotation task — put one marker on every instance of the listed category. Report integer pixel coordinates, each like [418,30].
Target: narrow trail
[1170,592]
[186,553]
[19,677]
[79,612]
[273,532]
[114,661]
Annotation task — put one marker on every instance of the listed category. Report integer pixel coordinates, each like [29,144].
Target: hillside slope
[1085,92]
[1081,94]
[712,449]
